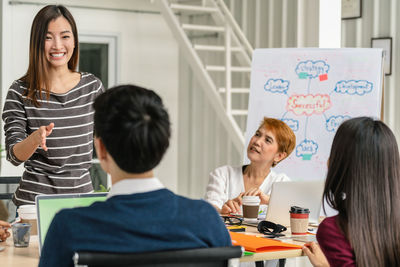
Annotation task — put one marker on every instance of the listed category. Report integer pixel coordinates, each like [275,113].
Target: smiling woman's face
[263,147]
[59,45]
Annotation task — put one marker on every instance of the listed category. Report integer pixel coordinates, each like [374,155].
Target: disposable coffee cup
[299,220]
[27,214]
[21,234]
[250,206]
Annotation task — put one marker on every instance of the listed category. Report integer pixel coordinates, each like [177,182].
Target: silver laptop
[306,194]
[48,205]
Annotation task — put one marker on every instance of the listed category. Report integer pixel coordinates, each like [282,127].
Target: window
[93,58]
[98,56]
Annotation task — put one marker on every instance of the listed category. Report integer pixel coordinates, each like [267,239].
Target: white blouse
[226,183]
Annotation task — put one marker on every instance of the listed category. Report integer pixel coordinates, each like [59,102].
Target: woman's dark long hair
[37,75]
[363,185]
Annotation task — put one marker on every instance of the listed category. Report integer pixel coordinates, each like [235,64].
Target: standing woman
[363,185]
[48,114]
[272,142]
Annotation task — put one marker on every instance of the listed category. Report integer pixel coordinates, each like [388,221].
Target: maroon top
[334,244]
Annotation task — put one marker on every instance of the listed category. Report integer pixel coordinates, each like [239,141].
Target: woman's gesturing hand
[42,133]
[25,149]
[232,205]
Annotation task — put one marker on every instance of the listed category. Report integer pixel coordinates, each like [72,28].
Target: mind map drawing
[313,91]
[310,103]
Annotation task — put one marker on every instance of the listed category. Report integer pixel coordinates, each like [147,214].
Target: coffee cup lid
[296,209]
[252,200]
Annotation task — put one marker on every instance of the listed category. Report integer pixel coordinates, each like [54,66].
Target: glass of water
[21,234]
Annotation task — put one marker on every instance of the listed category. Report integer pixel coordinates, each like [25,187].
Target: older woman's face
[263,147]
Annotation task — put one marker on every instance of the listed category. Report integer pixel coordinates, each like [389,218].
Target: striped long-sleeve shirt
[64,167]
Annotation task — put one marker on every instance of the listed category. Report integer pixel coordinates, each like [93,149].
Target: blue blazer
[152,221]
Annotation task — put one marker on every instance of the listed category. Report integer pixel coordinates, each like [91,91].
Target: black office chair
[8,180]
[210,257]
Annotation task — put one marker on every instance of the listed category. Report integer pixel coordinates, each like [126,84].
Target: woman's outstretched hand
[42,133]
[25,149]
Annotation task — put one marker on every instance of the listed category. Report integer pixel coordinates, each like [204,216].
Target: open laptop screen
[306,194]
[48,205]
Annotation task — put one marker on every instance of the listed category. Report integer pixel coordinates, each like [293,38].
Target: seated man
[132,131]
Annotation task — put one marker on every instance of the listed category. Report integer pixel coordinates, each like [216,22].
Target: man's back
[152,221]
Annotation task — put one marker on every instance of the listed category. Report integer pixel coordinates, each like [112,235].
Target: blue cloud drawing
[354,87]
[277,86]
[293,124]
[333,122]
[306,147]
[312,68]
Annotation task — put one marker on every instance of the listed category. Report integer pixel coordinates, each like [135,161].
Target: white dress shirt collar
[134,186]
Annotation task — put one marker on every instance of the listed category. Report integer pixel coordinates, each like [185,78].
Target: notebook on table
[254,243]
[48,205]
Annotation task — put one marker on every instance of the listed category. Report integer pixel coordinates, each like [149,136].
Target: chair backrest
[8,180]
[210,257]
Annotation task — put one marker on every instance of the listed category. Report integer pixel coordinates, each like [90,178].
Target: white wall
[148,55]
[379,19]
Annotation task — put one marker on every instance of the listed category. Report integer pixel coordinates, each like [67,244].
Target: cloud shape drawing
[333,122]
[277,86]
[354,87]
[293,124]
[306,147]
[312,68]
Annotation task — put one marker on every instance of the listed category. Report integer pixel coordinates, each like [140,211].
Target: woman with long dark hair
[48,113]
[363,185]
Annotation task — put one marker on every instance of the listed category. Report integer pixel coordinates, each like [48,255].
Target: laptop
[306,194]
[48,205]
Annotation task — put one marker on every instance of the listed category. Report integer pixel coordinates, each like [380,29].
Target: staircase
[222,67]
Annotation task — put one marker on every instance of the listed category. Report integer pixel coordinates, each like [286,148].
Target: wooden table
[17,257]
[27,257]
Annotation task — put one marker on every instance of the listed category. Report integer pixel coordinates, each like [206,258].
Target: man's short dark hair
[134,126]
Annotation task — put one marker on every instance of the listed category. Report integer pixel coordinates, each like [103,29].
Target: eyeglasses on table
[232,220]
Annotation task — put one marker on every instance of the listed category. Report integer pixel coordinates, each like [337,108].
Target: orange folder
[259,244]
